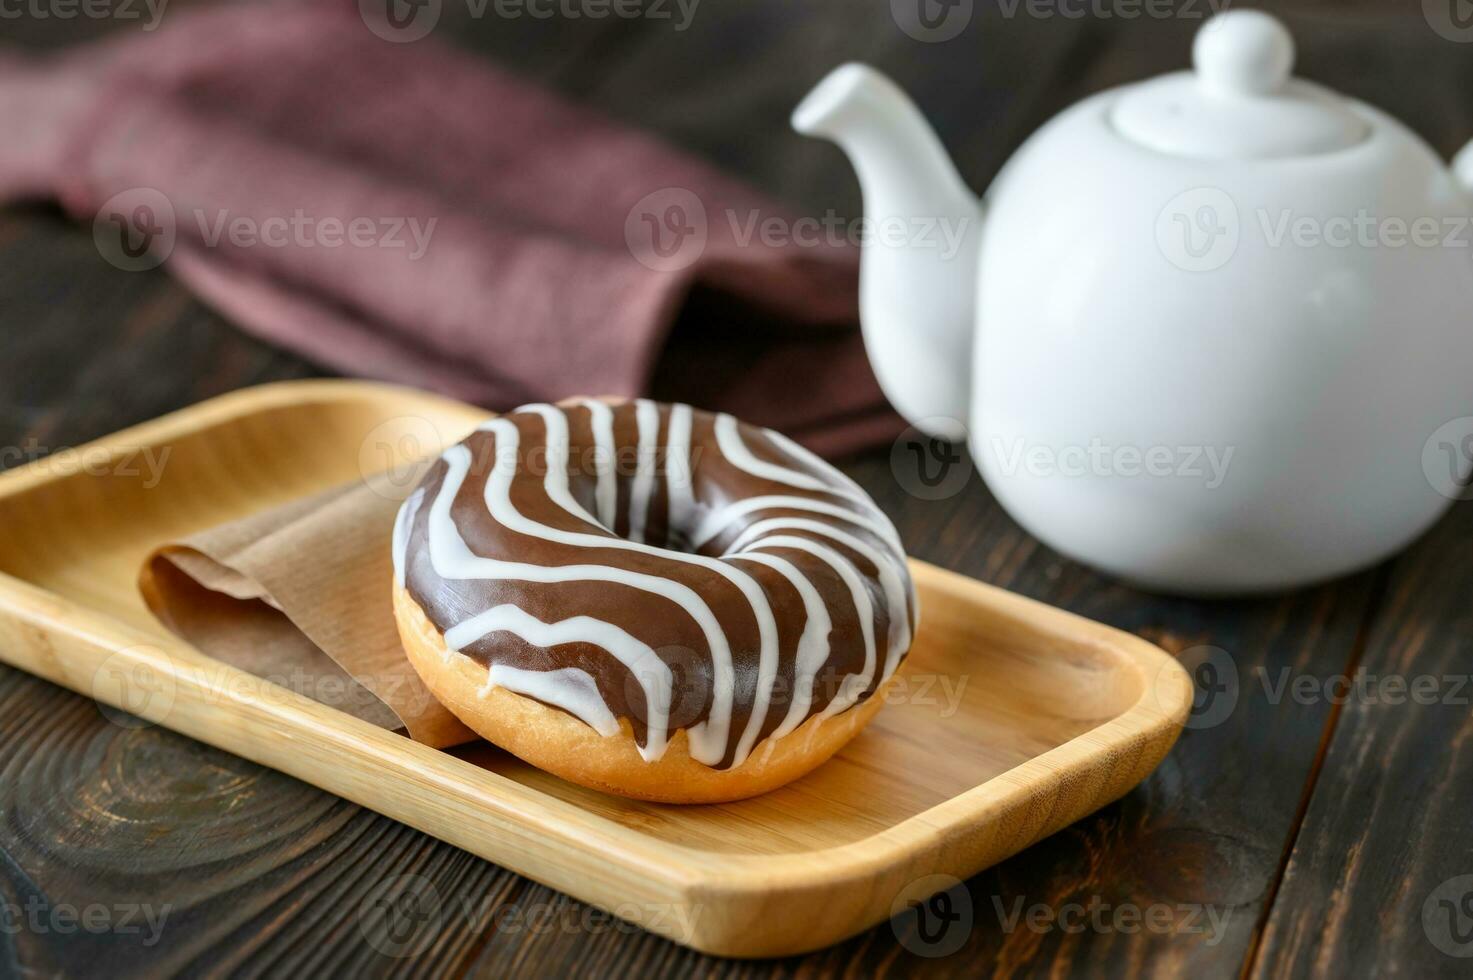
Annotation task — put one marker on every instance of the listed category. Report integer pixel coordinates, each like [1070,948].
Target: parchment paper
[301,595]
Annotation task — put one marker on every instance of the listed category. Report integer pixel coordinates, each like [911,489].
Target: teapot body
[1222,375]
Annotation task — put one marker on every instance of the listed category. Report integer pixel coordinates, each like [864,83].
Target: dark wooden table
[1288,833]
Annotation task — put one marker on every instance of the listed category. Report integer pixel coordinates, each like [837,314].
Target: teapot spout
[919,263]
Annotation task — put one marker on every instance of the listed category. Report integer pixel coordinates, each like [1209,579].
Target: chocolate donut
[649,599]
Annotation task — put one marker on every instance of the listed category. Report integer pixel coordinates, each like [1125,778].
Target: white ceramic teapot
[1204,331]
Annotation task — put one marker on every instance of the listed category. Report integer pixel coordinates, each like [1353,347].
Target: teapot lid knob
[1243,53]
[1240,103]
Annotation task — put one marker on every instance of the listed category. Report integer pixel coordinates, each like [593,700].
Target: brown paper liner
[301,595]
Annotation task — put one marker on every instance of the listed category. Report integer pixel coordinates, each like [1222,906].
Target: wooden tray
[1055,717]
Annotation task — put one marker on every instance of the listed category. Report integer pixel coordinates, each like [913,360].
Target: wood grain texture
[1011,720]
[1214,825]
[1380,881]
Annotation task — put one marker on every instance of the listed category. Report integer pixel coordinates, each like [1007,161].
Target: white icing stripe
[843,485]
[813,644]
[719,521]
[556,485]
[453,559]
[647,421]
[854,685]
[848,488]
[574,690]
[568,688]
[729,440]
[646,666]
[555,481]
[885,566]
[403,524]
[601,420]
[679,472]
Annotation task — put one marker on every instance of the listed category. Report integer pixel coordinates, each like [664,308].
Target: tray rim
[1158,712]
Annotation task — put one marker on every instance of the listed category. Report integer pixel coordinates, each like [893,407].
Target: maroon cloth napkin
[534,275]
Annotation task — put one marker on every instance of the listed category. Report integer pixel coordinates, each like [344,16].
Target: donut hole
[659,527]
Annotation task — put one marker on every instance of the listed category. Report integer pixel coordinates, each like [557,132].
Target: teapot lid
[1239,102]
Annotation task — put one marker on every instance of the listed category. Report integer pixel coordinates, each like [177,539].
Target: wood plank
[968,532]
[1209,827]
[1086,714]
[1203,836]
[1380,881]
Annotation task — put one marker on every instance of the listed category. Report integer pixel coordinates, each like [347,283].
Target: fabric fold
[408,212]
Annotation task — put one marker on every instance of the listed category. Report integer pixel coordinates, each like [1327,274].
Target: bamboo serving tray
[1054,715]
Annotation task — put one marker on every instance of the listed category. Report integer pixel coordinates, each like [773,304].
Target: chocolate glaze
[864,542]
